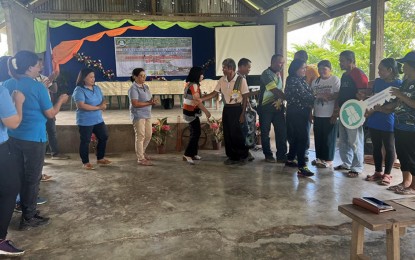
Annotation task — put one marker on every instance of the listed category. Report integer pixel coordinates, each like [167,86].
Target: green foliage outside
[352,32]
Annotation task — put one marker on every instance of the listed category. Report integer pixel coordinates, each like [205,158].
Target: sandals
[188,159]
[377,176]
[352,174]
[322,164]
[46,178]
[341,167]
[197,158]
[406,191]
[145,162]
[88,166]
[386,180]
[398,187]
[148,158]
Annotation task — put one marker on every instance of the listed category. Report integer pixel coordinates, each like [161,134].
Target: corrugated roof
[301,13]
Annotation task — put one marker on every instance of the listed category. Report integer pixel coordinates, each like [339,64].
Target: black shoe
[304,172]
[270,159]
[34,222]
[242,161]
[230,162]
[292,163]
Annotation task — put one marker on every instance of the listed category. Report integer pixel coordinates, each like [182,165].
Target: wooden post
[392,242]
[356,249]
[376,36]
[153,7]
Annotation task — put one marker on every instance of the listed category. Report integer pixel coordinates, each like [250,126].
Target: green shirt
[269,81]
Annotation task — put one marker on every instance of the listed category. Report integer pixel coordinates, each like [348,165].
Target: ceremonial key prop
[352,112]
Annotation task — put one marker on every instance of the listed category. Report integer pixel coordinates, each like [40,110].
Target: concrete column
[281,36]
[19,27]
[376,36]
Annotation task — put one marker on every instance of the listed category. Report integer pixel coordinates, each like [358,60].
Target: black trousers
[325,135]
[232,133]
[193,145]
[9,184]
[85,132]
[386,139]
[31,155]
[405,148]
[298,132]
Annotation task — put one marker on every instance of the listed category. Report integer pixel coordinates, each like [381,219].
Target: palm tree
[345,28]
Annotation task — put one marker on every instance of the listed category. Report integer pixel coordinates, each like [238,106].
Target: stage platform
[121,131]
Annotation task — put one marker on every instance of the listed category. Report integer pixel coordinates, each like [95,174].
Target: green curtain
[41,27]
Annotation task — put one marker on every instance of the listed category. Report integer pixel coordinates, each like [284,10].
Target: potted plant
[216,132]
[161,129]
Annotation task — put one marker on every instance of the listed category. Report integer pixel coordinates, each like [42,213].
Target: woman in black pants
[10,117]
[300,100]
[192,112]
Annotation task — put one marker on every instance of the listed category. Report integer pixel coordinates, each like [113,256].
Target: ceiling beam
[283,4]
[148,17]
[336,11]
[36,3]
[250,7]
[321,7]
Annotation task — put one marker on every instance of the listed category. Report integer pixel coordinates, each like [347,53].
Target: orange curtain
[65,50]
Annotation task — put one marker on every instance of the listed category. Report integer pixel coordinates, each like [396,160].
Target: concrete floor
[208,211]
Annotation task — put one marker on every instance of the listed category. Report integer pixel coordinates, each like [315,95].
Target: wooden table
[394,222]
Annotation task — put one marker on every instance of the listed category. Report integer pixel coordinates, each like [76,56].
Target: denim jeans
[101,132]
[267,116]
[351,147]
[33,155]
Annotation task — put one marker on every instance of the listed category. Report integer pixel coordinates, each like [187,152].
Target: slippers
[352,174]
[377,176]
[341,167]
[396,187]
[145,163]
[406,191]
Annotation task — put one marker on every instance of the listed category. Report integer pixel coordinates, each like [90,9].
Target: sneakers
[304,172]
[270,159]
[60,156]
[250,157]
[7,248]
[292,163]
[41,201]
[36,221]
[88,166]
[104,162]
[46,178]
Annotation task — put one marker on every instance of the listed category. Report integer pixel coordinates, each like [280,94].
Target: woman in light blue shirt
[30,137]
[90,103]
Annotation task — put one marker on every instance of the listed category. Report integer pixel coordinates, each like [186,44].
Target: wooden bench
[394,222]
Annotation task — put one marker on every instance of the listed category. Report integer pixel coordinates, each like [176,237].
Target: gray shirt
[142,94]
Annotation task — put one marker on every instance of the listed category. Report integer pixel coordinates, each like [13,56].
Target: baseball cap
[410,56]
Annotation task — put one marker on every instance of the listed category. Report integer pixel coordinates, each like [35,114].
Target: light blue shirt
[7,109]
[142,94]
[92,97]
[33,125]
